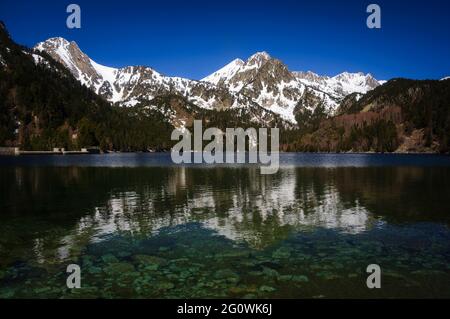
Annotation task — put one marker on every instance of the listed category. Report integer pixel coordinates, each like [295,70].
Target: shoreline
[83,152]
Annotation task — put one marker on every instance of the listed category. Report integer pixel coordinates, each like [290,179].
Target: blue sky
[194,38]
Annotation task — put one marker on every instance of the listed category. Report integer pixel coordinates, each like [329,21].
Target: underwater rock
[118,268]
[185,274]
[428,272]
[151,267]
[177,261]
[227,274]
[394,275]
[109,258]
[249,263]
[300,278]
[270,264]
[282,253]
[293,278]
[285,278]
[237,290]
[338,265]
[165,286]
[267,289]
[94,270]
[87,260]
[124,254]
[233,254]
[7,294]
[255,273]
[83,293]
[147,259]
[327,275]
[269,272]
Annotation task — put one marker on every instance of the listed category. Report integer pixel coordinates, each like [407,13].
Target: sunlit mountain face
[260,82]
[319,226]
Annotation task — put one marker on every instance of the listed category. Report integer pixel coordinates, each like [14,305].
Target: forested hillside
[42,106]
[399,116]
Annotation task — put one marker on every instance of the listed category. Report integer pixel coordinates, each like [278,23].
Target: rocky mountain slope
[269,83]
[262,84]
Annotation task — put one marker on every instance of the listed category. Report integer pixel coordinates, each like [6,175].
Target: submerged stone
[119,268]
[255,273]
[233,254]
[269,272]
[282,253]
[227,274]
[165,286]
[94,270]
[124,254]
[267,289]
[147,259]
[109,258]
[300,278]
[327,275]
[285,278]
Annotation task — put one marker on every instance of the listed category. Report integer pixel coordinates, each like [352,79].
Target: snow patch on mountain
[108,75]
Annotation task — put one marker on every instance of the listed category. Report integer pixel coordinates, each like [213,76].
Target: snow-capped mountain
[269,83]
[260,82]
[131,85]
[265,80]
[340,85]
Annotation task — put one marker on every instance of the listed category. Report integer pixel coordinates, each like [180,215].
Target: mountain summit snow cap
[259,58]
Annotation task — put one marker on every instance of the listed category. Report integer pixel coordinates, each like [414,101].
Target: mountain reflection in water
[53,212]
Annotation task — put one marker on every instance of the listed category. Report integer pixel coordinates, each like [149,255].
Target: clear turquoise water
[140,227]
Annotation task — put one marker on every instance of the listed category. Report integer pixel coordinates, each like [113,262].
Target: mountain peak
[225,72]
[261,54]
[349,75]
[78,63]
[310,76]
[259,58]
[54,42]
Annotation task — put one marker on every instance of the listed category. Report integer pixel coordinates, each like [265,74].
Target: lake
[142,227]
